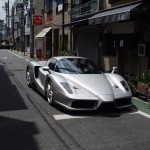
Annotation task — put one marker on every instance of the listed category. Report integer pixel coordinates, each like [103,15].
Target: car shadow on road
[102,111]
[17,134]
[10,98]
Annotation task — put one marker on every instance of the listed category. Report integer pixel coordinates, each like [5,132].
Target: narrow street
[28,122]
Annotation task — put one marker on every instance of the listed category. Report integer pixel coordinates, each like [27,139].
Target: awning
[112,15]
[43,32]
[78,22]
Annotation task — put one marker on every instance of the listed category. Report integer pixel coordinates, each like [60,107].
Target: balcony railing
[84,10]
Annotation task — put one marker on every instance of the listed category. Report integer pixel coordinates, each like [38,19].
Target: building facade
[112,33]
[54,35]
[20,25]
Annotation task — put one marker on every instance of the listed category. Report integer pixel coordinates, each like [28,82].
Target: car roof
[64,57]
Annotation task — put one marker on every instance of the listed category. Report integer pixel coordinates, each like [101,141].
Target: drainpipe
[63,25]
[31,31]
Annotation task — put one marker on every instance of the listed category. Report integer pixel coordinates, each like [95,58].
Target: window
[77,66]
[48,5]
[59,7]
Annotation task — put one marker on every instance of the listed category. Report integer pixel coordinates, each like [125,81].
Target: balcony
[84,10]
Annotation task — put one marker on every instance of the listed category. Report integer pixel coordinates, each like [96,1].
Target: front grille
[123,102]
[84,104]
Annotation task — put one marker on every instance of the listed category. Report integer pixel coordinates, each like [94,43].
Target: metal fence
[84,10]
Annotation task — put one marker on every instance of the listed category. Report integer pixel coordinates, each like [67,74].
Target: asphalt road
[28,122]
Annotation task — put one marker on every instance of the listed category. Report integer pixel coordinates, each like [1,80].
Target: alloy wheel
[49,92]
[28,77]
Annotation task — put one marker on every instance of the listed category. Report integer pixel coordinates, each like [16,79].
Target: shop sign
[37,19]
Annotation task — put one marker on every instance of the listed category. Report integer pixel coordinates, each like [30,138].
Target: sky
[2,11]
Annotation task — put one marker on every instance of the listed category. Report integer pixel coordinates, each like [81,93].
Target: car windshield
[77,66]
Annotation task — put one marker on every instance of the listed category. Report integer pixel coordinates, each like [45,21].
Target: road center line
[65,116]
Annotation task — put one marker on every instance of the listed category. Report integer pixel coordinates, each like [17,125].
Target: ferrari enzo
[76,83]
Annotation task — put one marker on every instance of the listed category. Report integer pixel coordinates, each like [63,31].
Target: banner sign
[37,19]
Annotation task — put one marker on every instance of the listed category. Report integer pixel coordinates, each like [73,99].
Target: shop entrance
[124,61]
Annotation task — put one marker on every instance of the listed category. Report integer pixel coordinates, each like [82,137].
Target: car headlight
[113,84]
[125,85]
[66,87]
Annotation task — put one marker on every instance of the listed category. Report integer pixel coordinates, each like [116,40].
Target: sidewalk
[141,105]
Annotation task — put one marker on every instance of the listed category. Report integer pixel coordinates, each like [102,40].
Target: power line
[2,8]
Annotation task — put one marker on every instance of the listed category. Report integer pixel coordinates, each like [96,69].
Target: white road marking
[15,54]
[132,113]
[26,59]
[144,114]
[65,116]
[5,58]
[140,100]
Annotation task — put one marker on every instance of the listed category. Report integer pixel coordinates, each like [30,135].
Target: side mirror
[115,70]
[46,68]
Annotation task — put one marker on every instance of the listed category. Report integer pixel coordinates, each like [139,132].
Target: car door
[42,73]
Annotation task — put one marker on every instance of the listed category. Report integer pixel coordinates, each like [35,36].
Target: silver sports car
[76,83]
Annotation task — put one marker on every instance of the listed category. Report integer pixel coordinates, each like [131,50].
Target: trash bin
[39,53]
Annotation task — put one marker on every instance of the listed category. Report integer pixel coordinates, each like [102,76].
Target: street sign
[37,19]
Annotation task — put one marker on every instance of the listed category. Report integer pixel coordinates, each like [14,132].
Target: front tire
[28,77]
[49,92]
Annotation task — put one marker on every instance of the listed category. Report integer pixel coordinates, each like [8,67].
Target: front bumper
[123,102]
[91,103]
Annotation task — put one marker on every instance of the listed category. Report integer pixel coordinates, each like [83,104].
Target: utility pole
[22,25]
[12,26]
[63,24]
[31,31]
[8,23]
[6,7]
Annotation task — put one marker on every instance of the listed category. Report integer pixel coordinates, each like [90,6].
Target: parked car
[76,83]
[4,45]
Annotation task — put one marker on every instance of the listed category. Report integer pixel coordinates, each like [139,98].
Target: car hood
[96,84]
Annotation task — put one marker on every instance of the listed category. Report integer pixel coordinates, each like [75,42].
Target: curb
[141,105]
[25,55]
